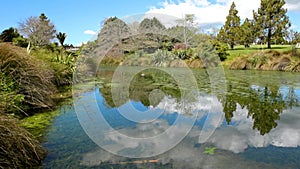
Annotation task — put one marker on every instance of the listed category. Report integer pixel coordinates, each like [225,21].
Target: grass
[240,51]
[18,147]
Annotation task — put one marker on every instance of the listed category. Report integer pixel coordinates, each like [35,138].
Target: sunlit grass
[240,51]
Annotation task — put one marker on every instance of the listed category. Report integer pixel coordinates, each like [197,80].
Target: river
[179,118]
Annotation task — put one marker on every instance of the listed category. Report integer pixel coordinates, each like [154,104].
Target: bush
[18,148]
[30,77]
[184,53]
[10,101]
[162,58]
[221,50]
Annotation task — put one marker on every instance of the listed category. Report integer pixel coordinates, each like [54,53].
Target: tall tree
[293,36]
[185,30]
[271,20]
[61,38]
[247,33]
[39,30]
[230,32]
[9,34]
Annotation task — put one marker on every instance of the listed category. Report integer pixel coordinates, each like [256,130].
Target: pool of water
[244,119]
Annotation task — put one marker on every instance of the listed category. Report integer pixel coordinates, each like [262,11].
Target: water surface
[248,119]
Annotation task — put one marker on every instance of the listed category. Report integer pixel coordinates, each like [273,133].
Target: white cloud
[208,13]
[90,32]
[205,11]
[241,136]
[293,5]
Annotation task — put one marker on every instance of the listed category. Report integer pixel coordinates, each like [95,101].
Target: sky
[81,20]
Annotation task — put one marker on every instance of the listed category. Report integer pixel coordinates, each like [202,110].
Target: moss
[39,123]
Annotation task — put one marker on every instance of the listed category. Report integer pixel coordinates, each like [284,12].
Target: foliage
[29,76]
[10,101]
[18,148]
[162,58]
[39,30]
[230,32]
[207,53]
[61,38]
[221,49]
[188,28]
[113,31]
[185,31]
[271,20]
[209,150]
[151,26]
[184,53]
[9,34]
[61,63]
[247,33]
[294,37]
[268,60]
[20,41]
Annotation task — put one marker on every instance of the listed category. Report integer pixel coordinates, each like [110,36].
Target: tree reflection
[141,87]
[264,104]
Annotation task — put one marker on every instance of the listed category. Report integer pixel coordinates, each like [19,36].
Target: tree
[293,37]
[114,29]
[230,32]
[185,30]
[39,30]
[271,20]
[247,34]
[9,34]
[61,38]
[151,26]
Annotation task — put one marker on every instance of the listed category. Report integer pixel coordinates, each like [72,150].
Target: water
[245,119]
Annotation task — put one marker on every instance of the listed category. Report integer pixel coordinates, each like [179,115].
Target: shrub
[18,148]
[162,58]
[29,77]
[221,50]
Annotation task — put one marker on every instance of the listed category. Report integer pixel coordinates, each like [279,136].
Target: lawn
[242,51]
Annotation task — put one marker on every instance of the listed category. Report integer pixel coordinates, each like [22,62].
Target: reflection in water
[264,104]
[260,128]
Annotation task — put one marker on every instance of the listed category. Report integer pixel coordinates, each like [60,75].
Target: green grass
[240,50]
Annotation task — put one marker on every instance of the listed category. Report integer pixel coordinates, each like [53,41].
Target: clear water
[254,123]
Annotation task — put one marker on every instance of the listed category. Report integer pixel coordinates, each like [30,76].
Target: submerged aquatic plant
[209,150]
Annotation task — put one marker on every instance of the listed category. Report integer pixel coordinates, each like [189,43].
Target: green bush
[221,49]
[184,53]
[162,57]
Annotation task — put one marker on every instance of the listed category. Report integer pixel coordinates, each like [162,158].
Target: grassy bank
[280,58]
[241,51]
[30,84]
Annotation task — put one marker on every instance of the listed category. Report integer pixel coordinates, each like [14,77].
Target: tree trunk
[231,45]
[269,38]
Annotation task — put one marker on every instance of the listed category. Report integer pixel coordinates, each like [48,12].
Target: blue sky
[77,18]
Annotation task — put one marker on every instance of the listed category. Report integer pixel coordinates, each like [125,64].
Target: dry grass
[29,75]
[18,149]
[268,60]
